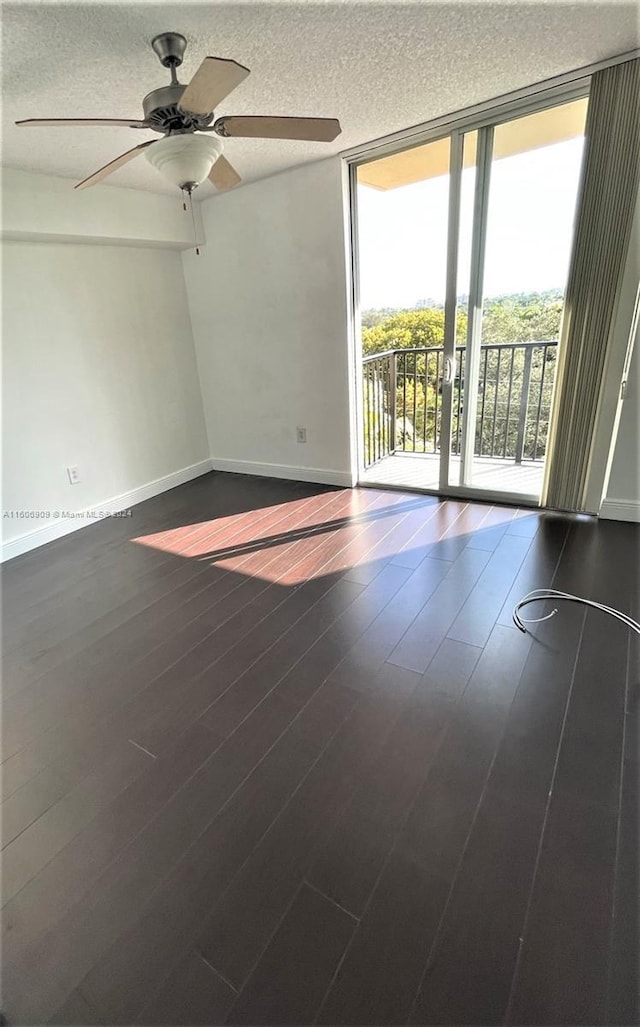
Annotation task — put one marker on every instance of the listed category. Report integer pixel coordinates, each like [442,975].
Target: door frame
[484,162]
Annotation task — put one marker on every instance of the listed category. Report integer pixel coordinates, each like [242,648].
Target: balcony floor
[421,471]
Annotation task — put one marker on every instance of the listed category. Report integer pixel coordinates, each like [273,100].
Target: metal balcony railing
[402,401]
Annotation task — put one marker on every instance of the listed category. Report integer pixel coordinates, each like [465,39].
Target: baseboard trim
[50,531]
[319,475]
[620,510]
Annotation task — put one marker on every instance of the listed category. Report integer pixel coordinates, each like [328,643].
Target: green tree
[533,317]
[522,317]
[409,329]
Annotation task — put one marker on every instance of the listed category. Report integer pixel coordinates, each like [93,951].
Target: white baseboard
[65,525]
[313,474]
[620,510]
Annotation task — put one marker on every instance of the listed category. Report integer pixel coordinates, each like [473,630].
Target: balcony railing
[402,401]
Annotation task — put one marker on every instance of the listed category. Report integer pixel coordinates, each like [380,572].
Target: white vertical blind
[605,214]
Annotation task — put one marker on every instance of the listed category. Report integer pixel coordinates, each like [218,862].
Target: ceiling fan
[182,114]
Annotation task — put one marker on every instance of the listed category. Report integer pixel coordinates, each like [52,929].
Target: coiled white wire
[539,594]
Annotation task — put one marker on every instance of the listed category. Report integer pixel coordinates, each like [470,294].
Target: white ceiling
[378,66]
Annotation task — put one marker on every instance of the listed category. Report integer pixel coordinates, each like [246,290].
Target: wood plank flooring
[274,753]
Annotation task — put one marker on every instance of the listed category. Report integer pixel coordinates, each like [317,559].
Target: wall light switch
[301,434]
[74,475]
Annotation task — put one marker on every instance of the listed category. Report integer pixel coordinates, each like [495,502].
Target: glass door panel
[402,238]
[525,198]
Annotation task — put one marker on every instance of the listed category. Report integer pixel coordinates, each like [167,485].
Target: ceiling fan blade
[321,130]
[223,175]
[214,79]
[66,122]
[112,166]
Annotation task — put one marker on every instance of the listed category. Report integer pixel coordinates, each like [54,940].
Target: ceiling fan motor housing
[162,112]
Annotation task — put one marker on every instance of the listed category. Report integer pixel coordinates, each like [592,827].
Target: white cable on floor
[540,594]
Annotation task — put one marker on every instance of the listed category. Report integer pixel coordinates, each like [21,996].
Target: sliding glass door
[463,249]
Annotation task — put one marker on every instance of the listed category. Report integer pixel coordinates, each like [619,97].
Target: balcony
[402,408]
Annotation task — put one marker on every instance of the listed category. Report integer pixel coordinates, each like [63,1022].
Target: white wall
[99,371]
[49,209]
[623,493]
[268,301]
[621,419]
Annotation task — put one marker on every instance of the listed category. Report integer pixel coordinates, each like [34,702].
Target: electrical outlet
[74,475]
[301,434]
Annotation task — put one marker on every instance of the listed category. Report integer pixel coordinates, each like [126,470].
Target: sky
[402,233]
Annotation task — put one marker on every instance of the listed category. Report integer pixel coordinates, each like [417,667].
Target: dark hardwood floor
[274,753]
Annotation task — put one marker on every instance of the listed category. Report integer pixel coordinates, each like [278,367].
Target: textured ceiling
[379,67]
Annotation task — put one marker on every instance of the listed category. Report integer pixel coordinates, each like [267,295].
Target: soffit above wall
[379,67]
[430,160]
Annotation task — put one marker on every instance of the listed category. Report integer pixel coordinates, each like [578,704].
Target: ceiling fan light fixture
[185,159]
